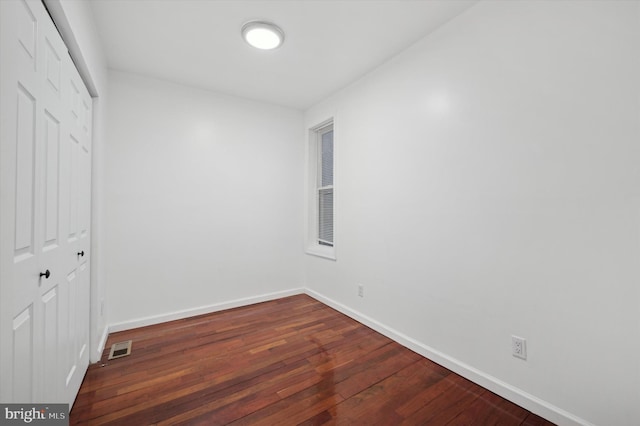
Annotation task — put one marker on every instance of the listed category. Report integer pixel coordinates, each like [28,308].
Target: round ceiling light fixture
[262,35]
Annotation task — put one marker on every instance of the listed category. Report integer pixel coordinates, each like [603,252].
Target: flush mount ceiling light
[262,35]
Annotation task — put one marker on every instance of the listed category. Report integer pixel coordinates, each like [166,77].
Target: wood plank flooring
[290,361]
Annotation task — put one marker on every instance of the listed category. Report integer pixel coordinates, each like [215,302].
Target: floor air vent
[118,350]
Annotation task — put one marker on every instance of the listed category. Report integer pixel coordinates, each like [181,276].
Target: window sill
[322,251]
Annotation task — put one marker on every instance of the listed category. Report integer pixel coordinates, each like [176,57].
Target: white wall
[203,199]
[75,21]
[487,185]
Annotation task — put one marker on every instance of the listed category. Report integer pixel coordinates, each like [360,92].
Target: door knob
[81,253]
[45,274]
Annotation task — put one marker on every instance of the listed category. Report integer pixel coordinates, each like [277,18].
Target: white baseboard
[185,313]
[505,390]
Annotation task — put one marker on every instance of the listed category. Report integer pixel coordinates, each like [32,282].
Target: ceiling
[328,43]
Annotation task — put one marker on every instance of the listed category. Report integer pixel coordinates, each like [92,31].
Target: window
[321,191]
[325,186]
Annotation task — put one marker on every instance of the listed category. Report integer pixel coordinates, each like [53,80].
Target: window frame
[314,245]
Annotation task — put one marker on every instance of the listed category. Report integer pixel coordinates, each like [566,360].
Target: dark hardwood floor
[290,361]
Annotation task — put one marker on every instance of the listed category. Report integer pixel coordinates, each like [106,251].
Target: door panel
[83,305]
[84,191]
[23,389]
[53,66]
[25,179]
[74,153]
[72,324]
[26,30]
[52,171]
[51,324]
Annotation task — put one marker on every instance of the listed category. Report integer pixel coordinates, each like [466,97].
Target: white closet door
[45,169]
[77,201]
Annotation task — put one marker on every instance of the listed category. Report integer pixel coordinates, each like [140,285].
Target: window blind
[325,190]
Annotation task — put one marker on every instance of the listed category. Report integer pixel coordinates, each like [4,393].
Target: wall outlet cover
[519,347]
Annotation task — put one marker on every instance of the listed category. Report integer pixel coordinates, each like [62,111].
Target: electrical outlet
[519,347]
[360,290]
